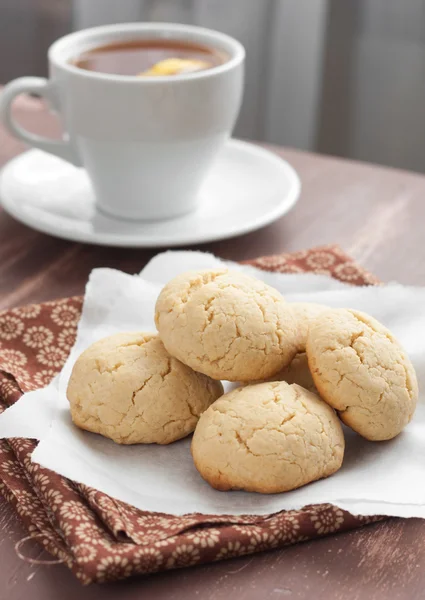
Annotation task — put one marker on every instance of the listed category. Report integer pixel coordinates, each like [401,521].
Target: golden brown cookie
[226,324]
[128,388]
[361,370]
[267,438]
[304,314]
[297,372]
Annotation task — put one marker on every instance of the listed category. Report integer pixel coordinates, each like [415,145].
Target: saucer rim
[128,240]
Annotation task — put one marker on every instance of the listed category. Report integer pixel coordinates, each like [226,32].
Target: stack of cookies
[300,369]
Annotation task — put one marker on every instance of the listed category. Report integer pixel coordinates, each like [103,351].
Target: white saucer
[248,188]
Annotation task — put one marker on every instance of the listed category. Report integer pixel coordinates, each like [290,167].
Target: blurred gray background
[338,77]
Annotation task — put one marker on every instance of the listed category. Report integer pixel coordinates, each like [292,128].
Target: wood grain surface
[375,214]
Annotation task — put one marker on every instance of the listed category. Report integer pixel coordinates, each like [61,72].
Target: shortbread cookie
[305,313]
[268,438]
[362,371]
[226,324]
[128,388]
[297,372]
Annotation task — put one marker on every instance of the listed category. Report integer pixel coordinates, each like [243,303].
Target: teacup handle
[42,87]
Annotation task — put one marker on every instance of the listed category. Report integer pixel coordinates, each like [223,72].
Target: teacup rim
[238,51]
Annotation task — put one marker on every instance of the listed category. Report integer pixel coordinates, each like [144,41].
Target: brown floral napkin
[99,538]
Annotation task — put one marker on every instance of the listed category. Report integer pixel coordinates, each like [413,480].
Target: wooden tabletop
[378,216]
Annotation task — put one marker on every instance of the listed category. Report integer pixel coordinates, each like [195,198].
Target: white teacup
[146,143]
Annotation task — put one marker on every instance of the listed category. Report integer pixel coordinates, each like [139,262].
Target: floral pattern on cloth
[101,539]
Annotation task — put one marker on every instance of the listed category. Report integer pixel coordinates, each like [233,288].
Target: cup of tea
[145,108]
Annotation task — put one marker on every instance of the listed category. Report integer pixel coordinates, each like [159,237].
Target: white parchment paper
[386,478]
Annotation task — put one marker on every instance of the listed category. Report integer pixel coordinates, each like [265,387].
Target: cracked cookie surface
[128,388]
[304,314]
[226,324]
[361,370]
[267,438]
[297,372]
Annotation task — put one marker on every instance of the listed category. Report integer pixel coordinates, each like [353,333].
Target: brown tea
[150,57]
